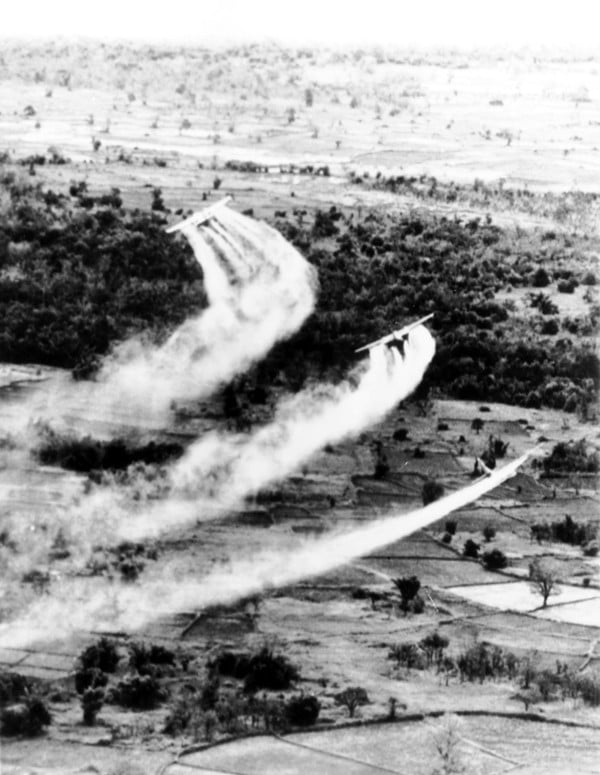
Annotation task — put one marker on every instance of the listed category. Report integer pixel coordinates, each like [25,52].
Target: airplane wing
[200,217]
[395,335]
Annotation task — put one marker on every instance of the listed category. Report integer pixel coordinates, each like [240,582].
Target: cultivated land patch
[490,744]
[519,596]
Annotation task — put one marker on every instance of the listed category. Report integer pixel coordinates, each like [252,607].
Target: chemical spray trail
[223,469]
[77,605]
[260,290]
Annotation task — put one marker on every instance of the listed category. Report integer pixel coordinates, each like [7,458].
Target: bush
[138,692]
[540,278]
[89,678]
[269,671]
[431,491]
[231,664]
[589,278]
[146,659]
[13,687]
[102,655]
[451,525]
[471,549]
[447,538]
[302,711]
[494,560]
[567,286]
[408,586]
[28,718]
[91,702]
[489,532]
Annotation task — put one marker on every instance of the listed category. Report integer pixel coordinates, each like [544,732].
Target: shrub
[431,491]
[471,549]
[269,671]
[540,278]
[433,647]
[589,278]
[13,687]
[89,678]
[494,560]
[231,664]
[408,586]
[139,692]
[447,538]
[28,718]
[91,702]
[146,659]
[550,327]
[102,655]
[451,525]
[489,532]
[302,711]
[567,286]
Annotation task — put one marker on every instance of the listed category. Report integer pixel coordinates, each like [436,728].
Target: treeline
[378,271]
[87,454]
[79,273]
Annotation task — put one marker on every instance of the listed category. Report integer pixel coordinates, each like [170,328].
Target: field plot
[491,745]
[519,596]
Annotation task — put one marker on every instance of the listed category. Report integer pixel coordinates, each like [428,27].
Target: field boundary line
[338,756]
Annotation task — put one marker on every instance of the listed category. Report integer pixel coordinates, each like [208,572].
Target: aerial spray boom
[196,219]
[395,336]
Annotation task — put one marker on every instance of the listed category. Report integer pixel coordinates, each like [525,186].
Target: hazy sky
[421,23]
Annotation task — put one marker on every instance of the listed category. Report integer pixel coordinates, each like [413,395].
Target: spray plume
[220,470]
[115,607]
[260,290]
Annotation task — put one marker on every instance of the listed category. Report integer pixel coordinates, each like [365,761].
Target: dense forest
[80,273]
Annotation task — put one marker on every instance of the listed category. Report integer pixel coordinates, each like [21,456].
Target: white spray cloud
[260,290]
[222,469]
[93,604]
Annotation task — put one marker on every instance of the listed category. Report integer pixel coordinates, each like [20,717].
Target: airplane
[196,219]
[396,338]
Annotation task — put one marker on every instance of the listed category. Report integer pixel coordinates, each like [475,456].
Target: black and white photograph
[299,381]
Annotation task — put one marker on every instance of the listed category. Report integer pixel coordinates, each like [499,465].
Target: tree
[351,698]
[408,586]
[540,278]
[433,646]
[447,743]
[494,560]
[471,549]
[431,491]
[91,702]
[308,98]
[477,424]
[489,532]
[544,577]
